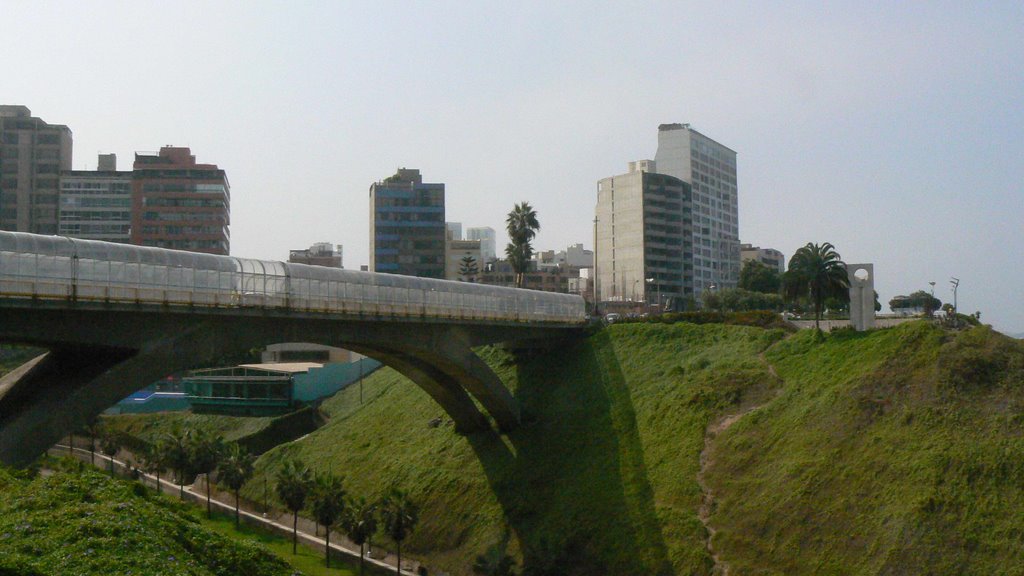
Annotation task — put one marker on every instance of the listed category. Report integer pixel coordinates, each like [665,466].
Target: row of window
[108,202]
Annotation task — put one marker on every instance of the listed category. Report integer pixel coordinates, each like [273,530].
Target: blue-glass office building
[407,230]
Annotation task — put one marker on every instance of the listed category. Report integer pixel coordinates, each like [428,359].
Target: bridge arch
[117,317]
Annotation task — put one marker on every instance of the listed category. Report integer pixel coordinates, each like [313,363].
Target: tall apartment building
[710,169]
[407,227]
[32,156]
[643,232]
[96,205]
[488,242]
[179,204]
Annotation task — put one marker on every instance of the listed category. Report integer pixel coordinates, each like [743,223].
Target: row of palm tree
[323,494]
[187,452]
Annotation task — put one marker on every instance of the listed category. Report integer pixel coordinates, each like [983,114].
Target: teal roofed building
[270,389]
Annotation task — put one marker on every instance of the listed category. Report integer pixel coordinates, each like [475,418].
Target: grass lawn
[308,560]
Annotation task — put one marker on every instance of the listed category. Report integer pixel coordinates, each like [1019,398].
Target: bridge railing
[54,267]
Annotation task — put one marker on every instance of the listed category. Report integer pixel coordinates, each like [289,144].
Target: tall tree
[359,521]
[110,443]
[399,515]
[757,277]
[328,504]
[468,269]
[204,452]
[294,483]
[176,453]
[92,429]
[154,461]
[522,226]
[816,271]
[234,470]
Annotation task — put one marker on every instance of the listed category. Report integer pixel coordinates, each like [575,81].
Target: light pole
[933,287]
[657,287]
[956,283]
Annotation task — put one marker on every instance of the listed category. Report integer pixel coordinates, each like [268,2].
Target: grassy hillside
[602,480]
[152,427]
[84,523]
[898,451]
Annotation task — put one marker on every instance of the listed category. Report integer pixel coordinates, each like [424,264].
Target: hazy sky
[896,133]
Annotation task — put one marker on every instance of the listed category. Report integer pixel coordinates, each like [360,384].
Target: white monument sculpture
[862,296]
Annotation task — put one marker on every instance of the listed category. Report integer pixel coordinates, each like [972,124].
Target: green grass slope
[84,523]
[896,451]
[602,478]
[152,427]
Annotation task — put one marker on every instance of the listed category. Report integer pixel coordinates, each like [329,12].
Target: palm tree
[109,445]
[818,272]
[92,429]
[154,460]
[360,522]
[176,455]
[328,505]
[294,482]
[204,452]
[400,516]
[234,469]
[522,226]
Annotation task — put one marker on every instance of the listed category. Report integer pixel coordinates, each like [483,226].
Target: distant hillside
[86,524]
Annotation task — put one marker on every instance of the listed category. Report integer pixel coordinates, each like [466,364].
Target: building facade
[179,204]
[710,170]
[768,256]
[455,253]
[488,242]
[643,238]
[407,227]
[319,254]
[32,156]
[96,205]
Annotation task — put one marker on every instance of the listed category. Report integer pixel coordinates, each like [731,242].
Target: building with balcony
[407,226]
[768,256]
[180,204]
[96,205]
[644,238]
[32,156]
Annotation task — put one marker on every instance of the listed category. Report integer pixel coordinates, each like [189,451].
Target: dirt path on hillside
[707,504]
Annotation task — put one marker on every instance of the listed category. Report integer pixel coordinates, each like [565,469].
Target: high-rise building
[319,254]
[407,227]
[96,205]
[454,230]
[710,169]
[32,156]
[179,204]
[643,237]
[488,242]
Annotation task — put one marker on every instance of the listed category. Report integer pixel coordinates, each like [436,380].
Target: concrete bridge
[116,318]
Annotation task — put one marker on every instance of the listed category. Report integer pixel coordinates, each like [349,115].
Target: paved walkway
[199,497]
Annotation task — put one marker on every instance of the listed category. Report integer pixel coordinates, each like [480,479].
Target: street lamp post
[956,283]
[657,287]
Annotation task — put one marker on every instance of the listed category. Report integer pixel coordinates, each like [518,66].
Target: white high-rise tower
[710,169]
